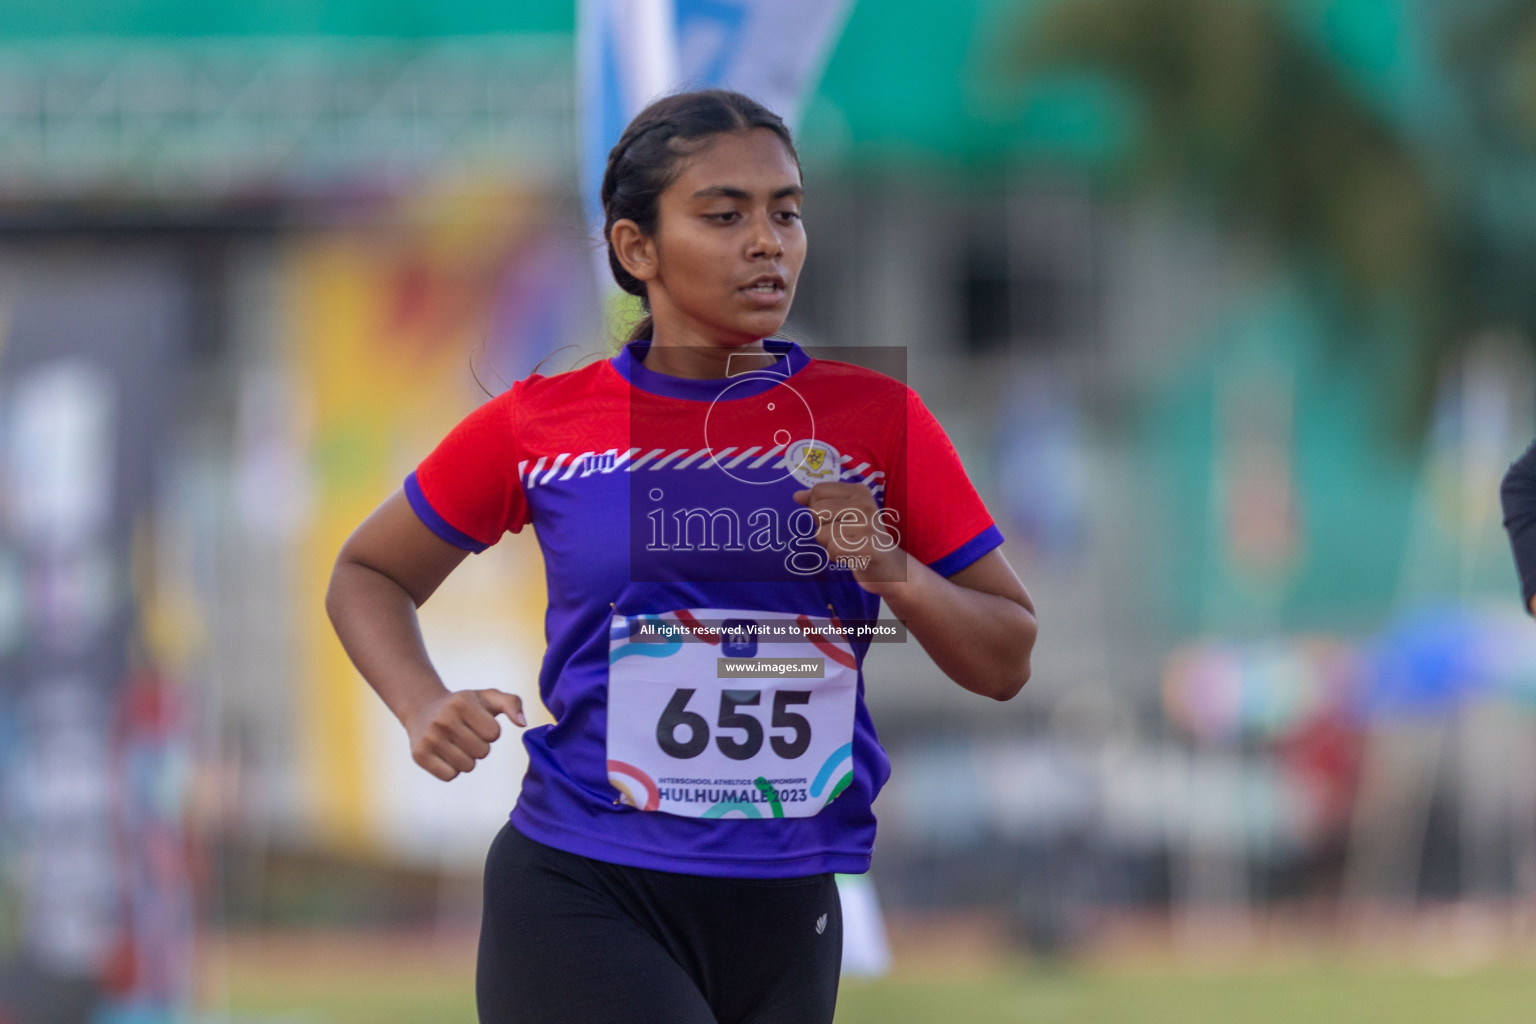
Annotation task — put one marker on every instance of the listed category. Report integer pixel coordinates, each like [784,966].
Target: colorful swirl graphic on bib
[770,794]
[643,648]
[638,789]
[727,807]
[838,756]
[830,648]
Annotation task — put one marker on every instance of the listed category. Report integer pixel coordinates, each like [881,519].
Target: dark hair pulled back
[648,157]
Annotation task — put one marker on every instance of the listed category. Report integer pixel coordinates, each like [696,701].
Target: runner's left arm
[978,624]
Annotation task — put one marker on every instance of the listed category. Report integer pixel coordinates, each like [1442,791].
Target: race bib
[729,713]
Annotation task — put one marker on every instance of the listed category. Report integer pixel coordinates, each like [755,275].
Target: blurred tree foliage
[1492,58]
[1495,56]
[1242,111]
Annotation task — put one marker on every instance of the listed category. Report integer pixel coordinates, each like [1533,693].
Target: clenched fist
[857,533]
[449,734]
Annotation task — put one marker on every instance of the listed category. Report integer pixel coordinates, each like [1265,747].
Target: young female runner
[716,511]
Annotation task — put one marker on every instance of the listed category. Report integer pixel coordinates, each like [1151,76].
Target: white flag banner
[630,52]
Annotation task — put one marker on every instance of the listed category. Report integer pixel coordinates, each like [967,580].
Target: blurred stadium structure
[184,120]
[1238,397]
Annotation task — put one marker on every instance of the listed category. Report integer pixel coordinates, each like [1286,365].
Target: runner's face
[729,243]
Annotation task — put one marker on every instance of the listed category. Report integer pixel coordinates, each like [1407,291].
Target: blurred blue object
[1041,477]
[1432,658]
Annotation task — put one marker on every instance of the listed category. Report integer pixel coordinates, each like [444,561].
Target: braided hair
[647,158]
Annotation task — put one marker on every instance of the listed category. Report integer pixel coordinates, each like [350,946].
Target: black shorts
[565,939]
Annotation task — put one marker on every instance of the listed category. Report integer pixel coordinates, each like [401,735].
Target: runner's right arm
[388,568]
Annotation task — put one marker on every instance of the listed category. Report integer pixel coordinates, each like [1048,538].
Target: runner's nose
[765,239]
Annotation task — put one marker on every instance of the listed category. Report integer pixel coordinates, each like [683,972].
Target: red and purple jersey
[708,703]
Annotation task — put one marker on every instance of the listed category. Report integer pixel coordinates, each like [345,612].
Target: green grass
[1312,994]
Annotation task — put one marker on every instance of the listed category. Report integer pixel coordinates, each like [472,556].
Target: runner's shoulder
[850,379]
[559,390]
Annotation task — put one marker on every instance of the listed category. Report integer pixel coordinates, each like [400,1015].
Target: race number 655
[676,718]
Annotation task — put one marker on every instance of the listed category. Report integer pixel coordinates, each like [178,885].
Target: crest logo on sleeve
[813,462]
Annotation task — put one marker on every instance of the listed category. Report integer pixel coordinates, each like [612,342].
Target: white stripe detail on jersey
[642,460]
[860,474]
[559,461]
[626,460]
[771,453]
[575,463]
[714,459]
[691,459]
[661,462]
[743,456]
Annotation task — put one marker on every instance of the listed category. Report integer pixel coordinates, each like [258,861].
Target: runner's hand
[449,734]
[853,533]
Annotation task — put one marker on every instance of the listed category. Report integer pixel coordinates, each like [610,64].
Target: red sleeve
[942,520]
[467,490]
